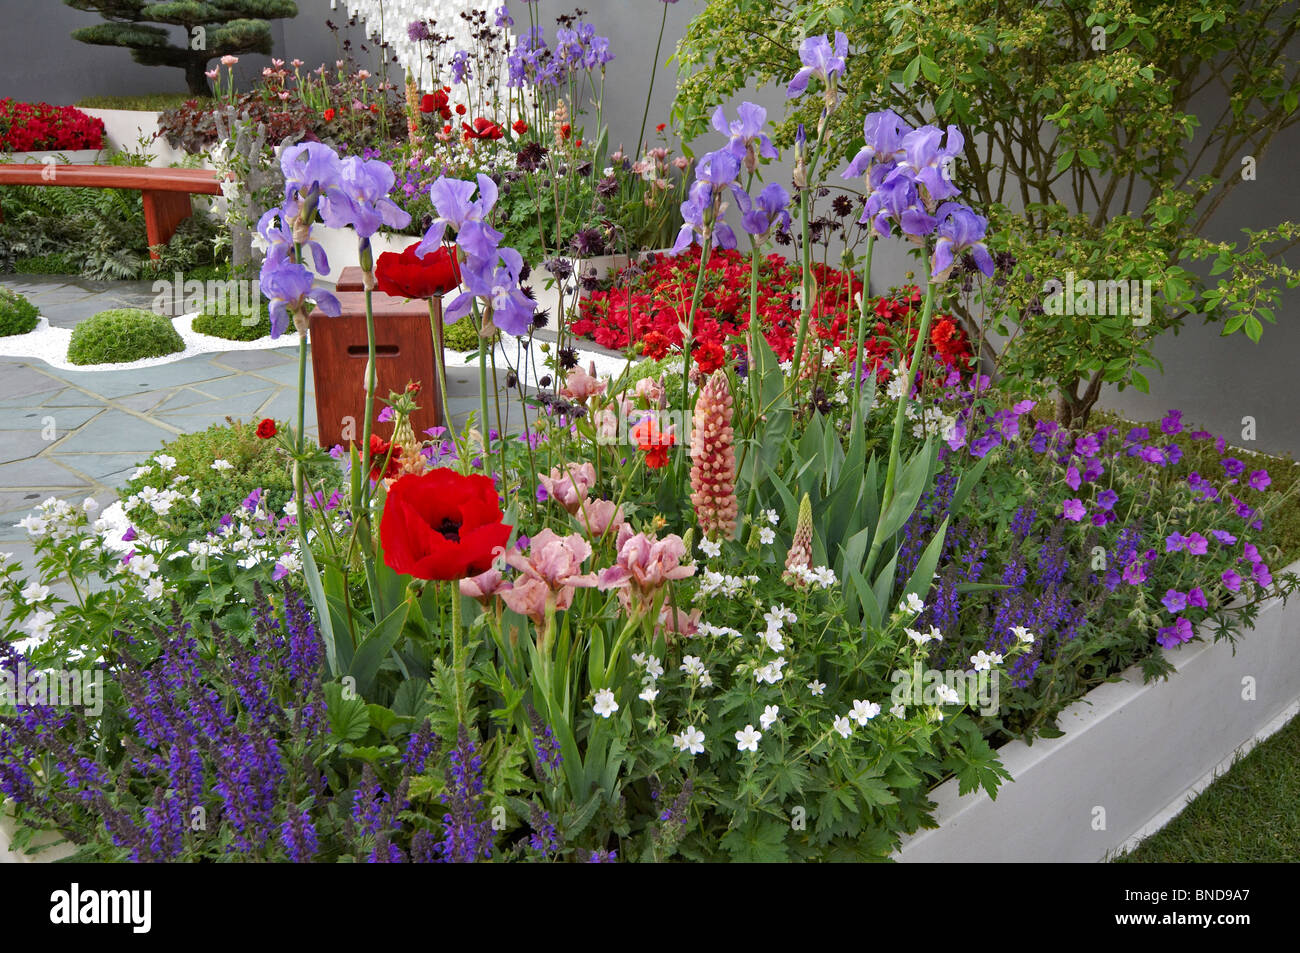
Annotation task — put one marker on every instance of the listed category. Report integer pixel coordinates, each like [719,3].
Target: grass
[1246,816]
[149,102]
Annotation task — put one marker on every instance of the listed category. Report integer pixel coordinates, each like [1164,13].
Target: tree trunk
[196,76]
[1072,408]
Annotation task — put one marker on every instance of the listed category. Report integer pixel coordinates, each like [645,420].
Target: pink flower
[650,390]
[212,73]
[677,622]
[1073,510]
[569,487]
[645,564]
[597,517]
[551,571]
[484,586]
[800,555]
[581,384]
[229,60]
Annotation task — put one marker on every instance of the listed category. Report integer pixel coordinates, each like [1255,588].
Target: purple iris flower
[278,235]
[928,160]
[312,171]
[460,68]
[960,229]
[748,141]
[498,285]
[287,285]
[714,172]
[758,216]
[883,132]
[896,201]
[821,60]
[366,183]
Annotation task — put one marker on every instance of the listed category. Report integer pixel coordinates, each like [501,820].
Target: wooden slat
[139,178]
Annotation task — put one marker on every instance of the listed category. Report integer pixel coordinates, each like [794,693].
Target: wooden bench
[166,192]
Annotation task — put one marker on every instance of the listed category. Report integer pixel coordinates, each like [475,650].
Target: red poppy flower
[405,275]
[267,429]
[482,129]
[653,442]
[379,448]
[520,127]
[460,109]
[374,107]
[442,525]
[329,115]
[660,127]
[428,104]
[565,131]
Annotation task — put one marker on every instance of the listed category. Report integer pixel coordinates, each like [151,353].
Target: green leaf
[375,648]
[349,718]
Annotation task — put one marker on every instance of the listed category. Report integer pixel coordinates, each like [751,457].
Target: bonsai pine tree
[211,28]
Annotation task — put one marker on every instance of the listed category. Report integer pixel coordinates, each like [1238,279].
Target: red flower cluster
[40,127]
[266,429]
[658,302]
[437,102]
[653,442]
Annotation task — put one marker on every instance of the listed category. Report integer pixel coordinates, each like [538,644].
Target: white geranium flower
[899,710]
[947,694]
[747,740]
[89,505]
[605,705]
[770,714]
[1023,635]
[710,548]
[692,665]
[843,726]
[220,465]
[766,536]
[34,525]
[141,472]
[165,462]
[982,661]
[690,740]
[817,688]
[40,625]
[772,517]
[863,711]
[912,603]
[649,693]
[35,592]
[154,588]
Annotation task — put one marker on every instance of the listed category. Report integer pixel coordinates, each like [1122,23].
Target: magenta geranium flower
[1074,510]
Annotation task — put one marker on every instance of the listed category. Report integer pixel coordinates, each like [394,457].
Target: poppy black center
[449,529]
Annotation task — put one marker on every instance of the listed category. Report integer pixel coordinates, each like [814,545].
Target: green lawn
[1249,815]
[150,102]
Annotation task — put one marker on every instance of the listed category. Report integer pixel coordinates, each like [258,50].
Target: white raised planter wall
[340,246]
[64,157]
[124,128]
[1132,755]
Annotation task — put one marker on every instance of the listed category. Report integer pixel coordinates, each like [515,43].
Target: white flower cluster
[861,713]
[653,669]
[57,519]
[931,422]
[823,577]
[716,583]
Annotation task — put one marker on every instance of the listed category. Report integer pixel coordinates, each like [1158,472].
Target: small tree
[1082,145]
[212,28]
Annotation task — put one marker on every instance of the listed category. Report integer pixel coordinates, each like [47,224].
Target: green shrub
[232,327]
[255,463]
[54,263]
[461,336]
[17,314]
[123,334]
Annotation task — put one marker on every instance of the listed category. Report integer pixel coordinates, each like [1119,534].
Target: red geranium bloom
[565,131]
[267,429]
[460,109]
[709,356]
[653,442]
[442,525]
[655,346]
[329,115]
[520,127]
[378,450]
[660,127]
[406,275]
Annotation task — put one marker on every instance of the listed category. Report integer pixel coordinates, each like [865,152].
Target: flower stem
[650,87]
[856,420]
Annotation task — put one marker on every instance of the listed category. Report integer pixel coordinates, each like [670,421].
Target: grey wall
[1215,380]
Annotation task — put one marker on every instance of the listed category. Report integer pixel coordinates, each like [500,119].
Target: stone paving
[74,434]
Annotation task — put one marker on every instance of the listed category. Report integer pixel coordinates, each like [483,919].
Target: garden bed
[1138,751]
[125,129]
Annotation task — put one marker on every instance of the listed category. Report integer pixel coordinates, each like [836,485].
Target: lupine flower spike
[713,459]
[800,555]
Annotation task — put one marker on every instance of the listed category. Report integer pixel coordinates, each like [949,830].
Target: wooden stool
[404,352]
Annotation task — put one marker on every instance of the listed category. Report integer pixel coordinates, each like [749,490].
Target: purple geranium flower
[1073,510]
[1174,600]
[1231,579]
[1259,480]
[1106,499]
[1176,634]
